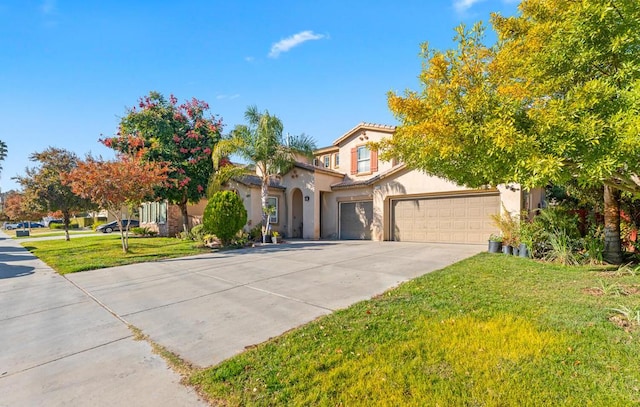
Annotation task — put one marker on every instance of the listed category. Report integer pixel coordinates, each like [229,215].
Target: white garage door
[453,219]
[355,220]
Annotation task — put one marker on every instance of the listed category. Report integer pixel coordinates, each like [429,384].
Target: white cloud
[229,97]
[249,59]
[463,5]
[286,44]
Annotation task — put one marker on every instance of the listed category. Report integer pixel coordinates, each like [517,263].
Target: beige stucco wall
[311,184]
[360,138]
[251,199]
[511,198]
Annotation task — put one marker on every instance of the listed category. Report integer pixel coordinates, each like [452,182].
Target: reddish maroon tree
[116,185]
[181,135]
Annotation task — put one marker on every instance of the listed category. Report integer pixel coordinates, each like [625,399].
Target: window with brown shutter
[374,160]
[354,160]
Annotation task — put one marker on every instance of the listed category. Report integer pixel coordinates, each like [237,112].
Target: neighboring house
[346,192]
[166,218]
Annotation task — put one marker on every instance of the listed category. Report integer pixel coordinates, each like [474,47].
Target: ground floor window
[153,212]
[272,204]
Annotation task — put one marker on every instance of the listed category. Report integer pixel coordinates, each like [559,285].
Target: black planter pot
[515,250]
[494,247]
[524,251]
[506,249]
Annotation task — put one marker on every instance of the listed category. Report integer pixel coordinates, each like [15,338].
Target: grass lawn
[489,331]
[94,252]
[46,232]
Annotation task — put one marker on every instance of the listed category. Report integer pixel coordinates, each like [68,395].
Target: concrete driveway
[207,308]
[65,341]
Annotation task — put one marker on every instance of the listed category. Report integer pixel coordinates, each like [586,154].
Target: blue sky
[69,69]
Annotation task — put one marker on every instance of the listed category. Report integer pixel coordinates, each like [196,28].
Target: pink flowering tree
[179,135]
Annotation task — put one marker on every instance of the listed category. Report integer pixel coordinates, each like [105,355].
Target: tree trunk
[65,221]
[264,194]
[612,244]
[185,215]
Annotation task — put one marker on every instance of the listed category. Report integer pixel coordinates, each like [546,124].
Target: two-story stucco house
[347,192]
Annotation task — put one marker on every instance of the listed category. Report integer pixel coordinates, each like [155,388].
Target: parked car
[113,226]
[23,225]
[54,222]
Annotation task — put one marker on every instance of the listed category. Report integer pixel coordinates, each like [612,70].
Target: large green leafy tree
[556,99]
[44,189]
[181,135]
[262,143]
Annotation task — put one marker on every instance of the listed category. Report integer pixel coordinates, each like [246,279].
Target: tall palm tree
[3,152]
[261,142]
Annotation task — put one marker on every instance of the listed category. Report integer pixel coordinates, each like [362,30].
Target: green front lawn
[94,252]
[46,232]
[489,331]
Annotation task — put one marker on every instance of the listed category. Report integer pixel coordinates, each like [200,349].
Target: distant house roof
[365,126]
[351,183]
[327,149]
[314,168]
[256,181]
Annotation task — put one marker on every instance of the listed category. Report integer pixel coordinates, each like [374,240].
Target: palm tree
[3,152]
[261,143]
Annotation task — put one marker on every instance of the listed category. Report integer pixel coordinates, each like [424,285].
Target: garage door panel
[355,220]
[460,219]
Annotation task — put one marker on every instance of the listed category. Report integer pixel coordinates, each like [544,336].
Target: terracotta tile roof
[365,126]
[325,149]
[350,183]
[314,168]
[254,180]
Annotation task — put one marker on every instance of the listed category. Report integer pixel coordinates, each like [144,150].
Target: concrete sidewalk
[59,347]
[207,308]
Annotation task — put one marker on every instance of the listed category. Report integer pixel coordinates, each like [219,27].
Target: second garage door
[453,219]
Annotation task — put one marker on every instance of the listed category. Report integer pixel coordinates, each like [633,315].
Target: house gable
[350,154]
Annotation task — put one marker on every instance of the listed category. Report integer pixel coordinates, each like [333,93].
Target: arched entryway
[296,213]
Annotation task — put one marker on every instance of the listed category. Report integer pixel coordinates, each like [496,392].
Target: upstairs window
[326,160]
[364,159]
[337,161]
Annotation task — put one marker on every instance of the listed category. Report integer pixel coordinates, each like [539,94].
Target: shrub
[198,233]
[224,215]
[72,225]
[143,231]
[255,234]
[509,226]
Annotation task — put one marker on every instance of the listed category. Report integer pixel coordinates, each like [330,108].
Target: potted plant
[495,243]
[506,246]
[508,225]
[275,236]
[526,238]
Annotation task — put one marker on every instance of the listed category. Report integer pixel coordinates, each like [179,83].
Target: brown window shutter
[354,161]
[374,160]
